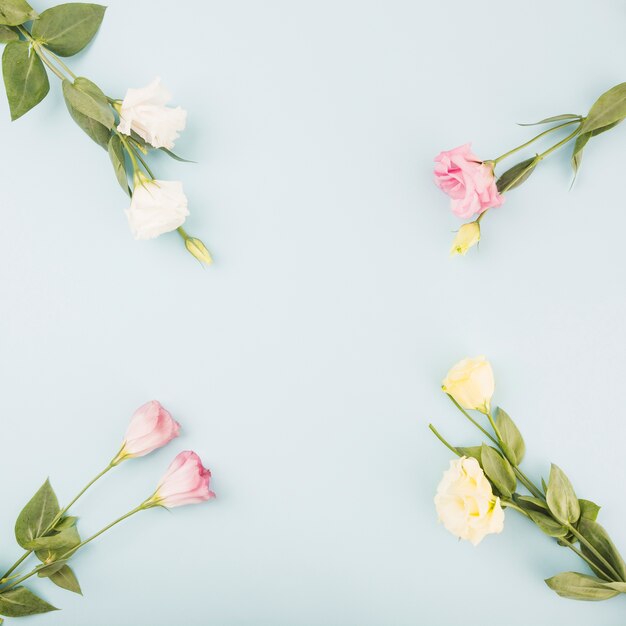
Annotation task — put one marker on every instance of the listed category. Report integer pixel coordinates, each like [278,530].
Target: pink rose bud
[151,427]
[185,482]
[468,181]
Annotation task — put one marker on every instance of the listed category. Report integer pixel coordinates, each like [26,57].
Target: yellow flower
[470,382]
[467,236]
[465,502]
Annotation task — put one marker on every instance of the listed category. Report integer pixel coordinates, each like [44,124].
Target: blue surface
[305,365]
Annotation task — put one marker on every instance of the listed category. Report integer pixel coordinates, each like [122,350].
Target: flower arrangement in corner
[128,129]
[485,480]
[472,183]
[50,533]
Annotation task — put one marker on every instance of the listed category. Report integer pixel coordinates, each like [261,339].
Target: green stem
[183,233]
[60,62]
[556,146]
[593,565]
[471,419]
[69,553]
[528,143]
[443,441]
[592,549]
[143,162]
[56,519]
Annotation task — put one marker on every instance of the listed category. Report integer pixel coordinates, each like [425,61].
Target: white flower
[465,502]
[470,382]
[157,207]
[144,111]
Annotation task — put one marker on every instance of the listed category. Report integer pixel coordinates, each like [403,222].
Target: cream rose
[465,502]
[470,382]
[157,207]
[144,111]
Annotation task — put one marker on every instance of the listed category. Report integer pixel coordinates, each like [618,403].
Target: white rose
[470,382]
[144,111]
[465,502]
[157,207]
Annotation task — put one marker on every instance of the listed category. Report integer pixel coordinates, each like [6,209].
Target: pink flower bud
[151,427]
[185,482]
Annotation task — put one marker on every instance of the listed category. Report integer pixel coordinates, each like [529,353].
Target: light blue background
[305,364]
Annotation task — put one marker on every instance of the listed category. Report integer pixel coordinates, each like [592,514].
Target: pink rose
[185,482]
[151,427]
[467,180]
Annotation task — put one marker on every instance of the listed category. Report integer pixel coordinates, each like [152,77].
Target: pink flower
[185,482]
[151,427]
[467,180]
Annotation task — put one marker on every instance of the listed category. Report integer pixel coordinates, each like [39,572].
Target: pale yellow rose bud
[465,502]
[199,250]
[467,236]
[470,382]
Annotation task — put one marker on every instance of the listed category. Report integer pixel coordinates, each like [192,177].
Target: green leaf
[543,485]
[472,451]
[99,133]
[16,12]
[498,470]
[66,522]
[577,154]
[621,587]
[175,156]
[8,34]
[62,541]
[530,502]
[581,142]
[513,444]
[515,176]
[117,154]
[67,28]
[609,108]
[48,570]
[66,579]
[580,587]
[561,498]
[19,602]
[547,524]
[87,98]
[37,515]
[554,118]
[25,78]
[600,540]
[589,509]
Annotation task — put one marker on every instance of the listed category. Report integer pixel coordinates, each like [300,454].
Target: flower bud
[185,482]
[198,249]
[151,427]
[467,237]
[470,382]
[465,502]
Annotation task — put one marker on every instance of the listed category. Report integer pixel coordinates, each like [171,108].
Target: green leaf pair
[65,30]
[606,113]
[38,529]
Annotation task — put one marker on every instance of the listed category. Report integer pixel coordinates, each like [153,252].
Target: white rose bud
[467,237]
[144,111]
[157,207]
[465,502]
[470,382]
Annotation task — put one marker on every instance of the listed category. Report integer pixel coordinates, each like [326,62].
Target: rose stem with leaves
[608,570]
[60,515]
